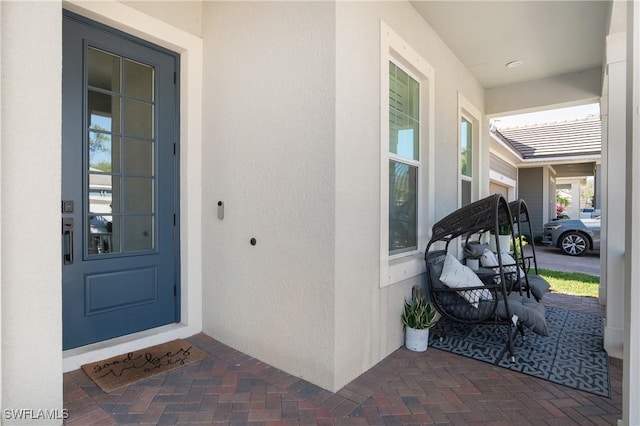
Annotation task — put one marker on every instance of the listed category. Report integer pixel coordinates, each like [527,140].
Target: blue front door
[119,184]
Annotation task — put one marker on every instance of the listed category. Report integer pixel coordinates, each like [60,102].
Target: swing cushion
[457,275]
[529,311]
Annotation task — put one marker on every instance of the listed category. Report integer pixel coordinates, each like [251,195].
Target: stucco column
[597,187]
[31,56]
[575,200]
[602,197]
[548,195]
[614,229]
[631,373]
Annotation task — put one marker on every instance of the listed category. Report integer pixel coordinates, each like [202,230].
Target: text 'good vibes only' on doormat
[122,370]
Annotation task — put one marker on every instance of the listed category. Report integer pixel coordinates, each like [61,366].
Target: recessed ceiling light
[514,64]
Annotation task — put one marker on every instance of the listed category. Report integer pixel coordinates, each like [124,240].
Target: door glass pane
[138,233]
[100,193]
[138,80]
[116,199]
[138,195]
[104,112]
[101,234]
[100,220]
[103,70]
[138,156]
[104,152]
[138,119]
[403,197]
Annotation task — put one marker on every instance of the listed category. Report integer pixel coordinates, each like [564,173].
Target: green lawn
[573,283]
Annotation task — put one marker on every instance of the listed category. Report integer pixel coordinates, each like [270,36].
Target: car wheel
[574,244]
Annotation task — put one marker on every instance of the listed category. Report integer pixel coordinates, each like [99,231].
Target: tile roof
[552,140]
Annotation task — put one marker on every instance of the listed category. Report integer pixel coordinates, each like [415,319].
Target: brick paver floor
[435,387]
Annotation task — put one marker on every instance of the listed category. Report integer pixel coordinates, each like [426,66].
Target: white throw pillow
[488,259]
[456,275]
[508,260]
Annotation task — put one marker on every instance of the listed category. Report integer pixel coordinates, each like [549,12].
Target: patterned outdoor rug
[572,355]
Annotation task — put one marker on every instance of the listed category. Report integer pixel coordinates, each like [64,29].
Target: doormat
[571,355]
[123,370]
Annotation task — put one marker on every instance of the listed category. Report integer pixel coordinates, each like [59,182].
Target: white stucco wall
[269,155]
[183,14]
[30,177]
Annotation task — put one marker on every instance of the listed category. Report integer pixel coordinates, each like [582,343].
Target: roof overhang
[564,166]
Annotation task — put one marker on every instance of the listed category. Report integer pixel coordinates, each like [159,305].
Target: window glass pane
[104,152]
[403,82]
[404,125]
[413,103]
[466,192]
[103,70]
[138,195]
[138,80]
[466,145]
[138,119]
[138,157]
[404,92]
[138,233]
[403,202]
[394,87]
[404,137]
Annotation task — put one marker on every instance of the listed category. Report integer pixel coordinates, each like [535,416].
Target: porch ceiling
[551,37]
[575,169]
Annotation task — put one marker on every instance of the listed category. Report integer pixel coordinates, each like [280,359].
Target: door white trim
[189,47]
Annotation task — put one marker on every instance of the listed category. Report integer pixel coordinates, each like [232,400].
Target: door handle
[67,240]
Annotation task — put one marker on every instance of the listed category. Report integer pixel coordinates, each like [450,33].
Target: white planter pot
[504,240]
[473,264]
[416,340]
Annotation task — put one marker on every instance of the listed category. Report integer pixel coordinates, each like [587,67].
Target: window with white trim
[406,161]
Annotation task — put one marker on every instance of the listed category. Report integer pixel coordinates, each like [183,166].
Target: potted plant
[418,317]
[504,237]
[519,242]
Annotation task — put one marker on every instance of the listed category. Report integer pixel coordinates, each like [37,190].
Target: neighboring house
[275,171]
[532,161]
